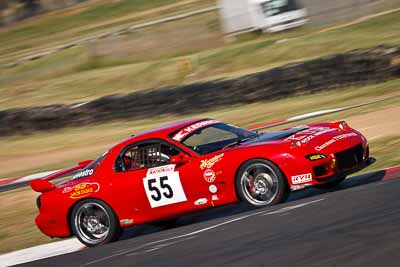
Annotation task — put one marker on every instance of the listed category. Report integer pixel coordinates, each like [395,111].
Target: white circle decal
[213,189]
[209,175]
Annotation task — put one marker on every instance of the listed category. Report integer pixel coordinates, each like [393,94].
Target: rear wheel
[94,223]
[261,183]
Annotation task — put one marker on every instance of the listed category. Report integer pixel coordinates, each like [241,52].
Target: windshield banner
[188,130]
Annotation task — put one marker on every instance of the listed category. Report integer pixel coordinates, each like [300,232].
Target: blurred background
[77,77]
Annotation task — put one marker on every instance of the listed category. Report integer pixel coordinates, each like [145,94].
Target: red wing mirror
[180,159]
[84,163]
[41,185]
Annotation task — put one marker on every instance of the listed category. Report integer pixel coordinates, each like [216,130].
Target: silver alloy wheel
[92,222]
[259,184]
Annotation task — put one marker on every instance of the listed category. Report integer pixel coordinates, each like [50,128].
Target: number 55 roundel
[163,186]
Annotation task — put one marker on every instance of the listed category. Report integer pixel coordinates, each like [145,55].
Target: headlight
[314,157]
[342,125]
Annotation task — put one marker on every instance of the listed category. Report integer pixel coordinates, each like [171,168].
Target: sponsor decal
[126,221]
[82,174]
[213,189]
[179,136]
[209,175]
[83,190]
[161,170]
[334,139]
[201,201]
[208,163]
[316,157]
[302,178]
[214,197]
[307,135]
[163,186]
[67,189]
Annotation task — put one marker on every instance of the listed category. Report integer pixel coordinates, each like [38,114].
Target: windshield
[215,137]
[277,7]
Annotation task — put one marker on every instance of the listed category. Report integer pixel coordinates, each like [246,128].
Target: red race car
[192,165]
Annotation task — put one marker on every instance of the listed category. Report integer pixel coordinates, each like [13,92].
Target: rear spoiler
[43,185]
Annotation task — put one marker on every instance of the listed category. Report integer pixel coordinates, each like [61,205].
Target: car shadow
[233,209]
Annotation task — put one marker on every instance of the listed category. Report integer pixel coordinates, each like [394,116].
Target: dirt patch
[377,124]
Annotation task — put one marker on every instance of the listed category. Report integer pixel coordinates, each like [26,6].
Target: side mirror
[180,159]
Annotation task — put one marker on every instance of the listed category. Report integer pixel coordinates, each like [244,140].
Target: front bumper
[337,165]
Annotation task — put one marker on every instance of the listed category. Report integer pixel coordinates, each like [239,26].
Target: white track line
[40,252]
[130,252]
[72,245]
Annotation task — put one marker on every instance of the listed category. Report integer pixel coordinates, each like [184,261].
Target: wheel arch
[256,158]
[69,214]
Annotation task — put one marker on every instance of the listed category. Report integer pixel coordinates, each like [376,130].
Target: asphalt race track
[356,224]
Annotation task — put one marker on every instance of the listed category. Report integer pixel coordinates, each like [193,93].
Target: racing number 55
[167,190]
[163,186]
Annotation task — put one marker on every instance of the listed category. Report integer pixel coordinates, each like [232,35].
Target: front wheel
[94,223]
[261,183]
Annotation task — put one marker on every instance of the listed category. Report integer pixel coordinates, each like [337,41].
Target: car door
[156,187]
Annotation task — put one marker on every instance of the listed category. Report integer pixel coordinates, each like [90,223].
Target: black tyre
[94,223]
[260,183]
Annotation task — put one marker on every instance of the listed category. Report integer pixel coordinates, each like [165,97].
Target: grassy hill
[174,54]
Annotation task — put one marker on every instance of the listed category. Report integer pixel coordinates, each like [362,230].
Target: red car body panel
[207,180]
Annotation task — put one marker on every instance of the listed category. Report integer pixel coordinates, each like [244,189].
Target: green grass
[88,19]
[82,74]
[97,13]
[18,229]
[386,151]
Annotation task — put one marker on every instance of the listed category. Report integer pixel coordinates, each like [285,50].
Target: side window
[146,155]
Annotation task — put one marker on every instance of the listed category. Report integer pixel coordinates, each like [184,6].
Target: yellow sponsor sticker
[83,190]
[208,163]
